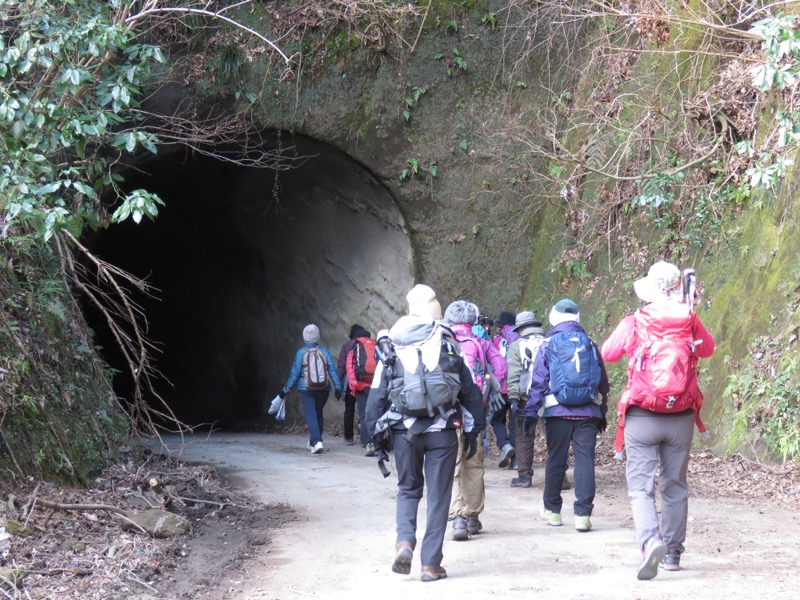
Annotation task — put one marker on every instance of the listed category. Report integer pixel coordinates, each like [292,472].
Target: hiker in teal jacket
[313,398]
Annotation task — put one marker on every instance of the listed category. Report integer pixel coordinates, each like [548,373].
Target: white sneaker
[552,518]
[310,447]
[317,448]
[583,523]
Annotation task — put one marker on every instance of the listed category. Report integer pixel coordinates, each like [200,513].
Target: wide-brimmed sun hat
[663,282]
[526,319]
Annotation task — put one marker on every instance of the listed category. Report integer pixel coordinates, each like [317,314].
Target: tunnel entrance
[243,259]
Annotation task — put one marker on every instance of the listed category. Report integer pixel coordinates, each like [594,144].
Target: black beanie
[353,329]
[505,318]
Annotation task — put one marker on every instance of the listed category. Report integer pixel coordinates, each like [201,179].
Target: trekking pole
[689,287]
[690,297]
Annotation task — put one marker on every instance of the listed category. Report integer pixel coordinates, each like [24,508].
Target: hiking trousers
[313,402]
[349,414]
[658,443]
[361,403]
[582,435]
[469,492]
[431,458]
[523,447]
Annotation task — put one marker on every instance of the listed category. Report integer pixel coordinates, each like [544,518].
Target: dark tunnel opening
[242,259]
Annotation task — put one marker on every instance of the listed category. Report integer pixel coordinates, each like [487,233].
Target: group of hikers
[423,389]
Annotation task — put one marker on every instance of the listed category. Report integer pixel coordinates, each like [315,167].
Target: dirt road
[341,543]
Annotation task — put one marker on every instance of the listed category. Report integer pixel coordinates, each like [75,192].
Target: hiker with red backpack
[570,385]
[659,408]
[360,364]
[486,362]
[314,373]
[348,396]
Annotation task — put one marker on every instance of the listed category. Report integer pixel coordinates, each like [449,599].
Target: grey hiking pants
[425,457]
[658,443]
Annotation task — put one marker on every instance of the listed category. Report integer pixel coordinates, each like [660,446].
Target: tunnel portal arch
[243,258]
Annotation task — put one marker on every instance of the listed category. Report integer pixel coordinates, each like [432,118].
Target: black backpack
[414,389]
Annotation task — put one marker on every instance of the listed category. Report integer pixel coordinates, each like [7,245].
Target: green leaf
[48,189]
[84,189]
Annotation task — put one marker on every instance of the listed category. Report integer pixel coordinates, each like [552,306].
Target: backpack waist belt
[550,400]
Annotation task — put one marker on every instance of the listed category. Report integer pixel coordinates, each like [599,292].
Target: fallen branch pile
[96,543]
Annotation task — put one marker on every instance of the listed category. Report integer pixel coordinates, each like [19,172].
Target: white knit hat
[423,303]
[311,333]
[663,282]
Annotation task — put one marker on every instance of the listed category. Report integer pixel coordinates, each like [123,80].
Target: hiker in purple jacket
[573,413]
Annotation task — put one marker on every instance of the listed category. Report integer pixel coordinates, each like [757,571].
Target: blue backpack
[574,368]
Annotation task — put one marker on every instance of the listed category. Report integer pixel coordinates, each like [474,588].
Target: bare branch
[152,9]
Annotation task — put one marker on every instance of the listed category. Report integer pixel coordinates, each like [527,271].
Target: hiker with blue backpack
[570,386]
[486,364]
[422,394]
[659,408]
[314,374]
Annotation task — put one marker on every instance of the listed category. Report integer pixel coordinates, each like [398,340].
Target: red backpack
[364,358]
[662,374]
[663,369]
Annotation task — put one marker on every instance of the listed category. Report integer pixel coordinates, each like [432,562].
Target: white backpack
[528,349]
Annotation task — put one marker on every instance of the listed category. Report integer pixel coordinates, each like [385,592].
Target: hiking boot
[565,483]
[654,550]
[317,448]
[506,455]
[583,523]
[474,525]
[349,441]
[402,558]
[671,560]
[553,518]
[433,573]
[370,450]
[523,481]
[460,532]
